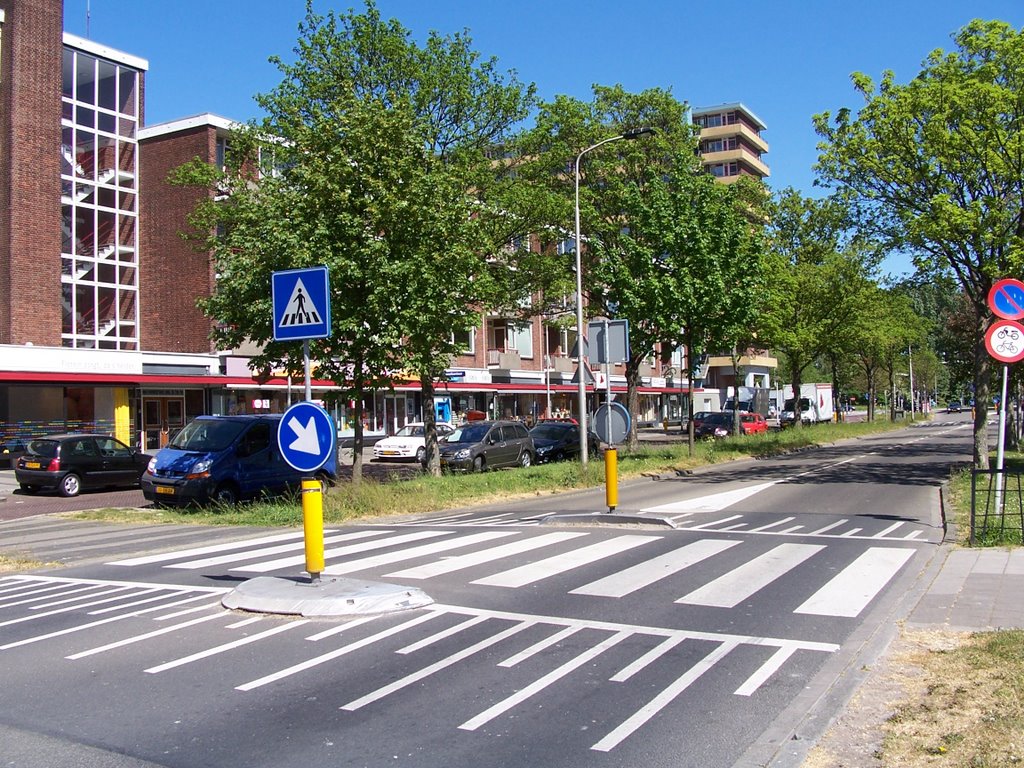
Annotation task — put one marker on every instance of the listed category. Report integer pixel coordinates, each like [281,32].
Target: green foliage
[936,167]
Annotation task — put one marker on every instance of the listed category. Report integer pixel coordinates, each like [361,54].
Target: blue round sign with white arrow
[306,436]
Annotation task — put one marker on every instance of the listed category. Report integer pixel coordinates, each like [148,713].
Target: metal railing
[997,510]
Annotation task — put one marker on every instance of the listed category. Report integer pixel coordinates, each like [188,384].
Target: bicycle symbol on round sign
[1005,341]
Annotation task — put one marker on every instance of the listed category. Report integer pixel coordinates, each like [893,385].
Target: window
[222,150]
[465,340]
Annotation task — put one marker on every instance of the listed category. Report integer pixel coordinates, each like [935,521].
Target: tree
[936,167]
[664,246]
[383,170]
[817,273]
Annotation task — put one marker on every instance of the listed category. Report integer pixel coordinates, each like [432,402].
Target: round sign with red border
[1006,299]
[1004,340]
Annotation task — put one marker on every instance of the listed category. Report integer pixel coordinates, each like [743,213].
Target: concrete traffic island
[323,598]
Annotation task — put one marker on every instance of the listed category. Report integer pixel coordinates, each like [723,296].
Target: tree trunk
[633,401]
[430,426]
[796,381]
[357,436]
[982,381]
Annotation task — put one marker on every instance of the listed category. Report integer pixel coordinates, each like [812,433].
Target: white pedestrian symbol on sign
[296,312]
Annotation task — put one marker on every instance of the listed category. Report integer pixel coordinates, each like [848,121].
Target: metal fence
[997,507]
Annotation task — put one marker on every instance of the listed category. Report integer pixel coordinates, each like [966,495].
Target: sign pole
[305,363]
[301,306]
[1000,444]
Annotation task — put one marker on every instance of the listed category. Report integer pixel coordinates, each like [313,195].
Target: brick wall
[30,210]
[172,273]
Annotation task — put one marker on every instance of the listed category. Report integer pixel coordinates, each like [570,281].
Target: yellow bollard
[611,478]
[313,526]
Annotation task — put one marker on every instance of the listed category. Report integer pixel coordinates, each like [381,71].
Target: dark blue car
[224,459]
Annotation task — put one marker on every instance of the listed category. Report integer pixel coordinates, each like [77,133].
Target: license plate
[167,489]
[389,453]
[33,465]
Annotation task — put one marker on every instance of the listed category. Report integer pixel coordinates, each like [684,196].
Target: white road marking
[252,554]
[448,565]
[710,503]
[210,549]
[552,566]
[228,646]
[144,636]
[850,590]
[663,699]
[410,554]
[335,552]
[766,670]
[729,590]
[646,573]
[543,682]
[336,653]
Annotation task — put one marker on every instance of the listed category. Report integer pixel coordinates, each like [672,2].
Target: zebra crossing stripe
[410,554]
[850,590]
[251,554]
[648,572]
[663,699]
[543,682]
[210,549]
[493,554]
[351,549]
[729,590]
[552,566]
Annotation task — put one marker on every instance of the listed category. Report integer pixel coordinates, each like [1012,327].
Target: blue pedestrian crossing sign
[306,436]
[301,304]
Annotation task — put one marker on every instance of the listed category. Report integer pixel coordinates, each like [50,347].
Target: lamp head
[636,133]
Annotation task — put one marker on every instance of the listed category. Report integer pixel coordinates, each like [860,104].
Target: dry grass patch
[11,563]
[939,697]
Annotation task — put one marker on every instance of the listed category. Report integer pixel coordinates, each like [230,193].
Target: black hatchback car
[73,462]
[557,440]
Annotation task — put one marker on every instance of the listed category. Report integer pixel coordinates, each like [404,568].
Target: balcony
[739,155]
[560,364]
[735,129]
[504,359]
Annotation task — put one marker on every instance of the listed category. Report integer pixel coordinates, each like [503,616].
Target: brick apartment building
[99,327]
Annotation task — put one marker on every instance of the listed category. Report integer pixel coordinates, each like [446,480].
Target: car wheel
[479,465]
[29,489]
[421,455]
[559,456]
[226,495]
[526,459]
[71,485]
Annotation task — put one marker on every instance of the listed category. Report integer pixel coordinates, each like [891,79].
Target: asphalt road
[709,637]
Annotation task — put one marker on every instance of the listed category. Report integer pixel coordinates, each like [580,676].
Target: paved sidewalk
[975,589]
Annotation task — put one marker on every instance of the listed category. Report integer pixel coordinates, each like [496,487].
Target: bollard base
[338,597]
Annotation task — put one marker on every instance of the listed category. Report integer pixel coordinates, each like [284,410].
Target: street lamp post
[582,392]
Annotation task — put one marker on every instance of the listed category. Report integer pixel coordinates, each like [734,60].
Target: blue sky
[785,59]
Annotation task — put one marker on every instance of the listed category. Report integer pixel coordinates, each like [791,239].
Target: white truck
[816,405]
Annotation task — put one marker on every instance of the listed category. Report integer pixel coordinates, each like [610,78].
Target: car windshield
[45,448]
[549,431]
[410,430]
[207,435]
[471,433]
[701,415]
[719,418]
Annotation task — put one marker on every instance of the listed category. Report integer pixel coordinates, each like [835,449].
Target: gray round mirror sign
[611,423]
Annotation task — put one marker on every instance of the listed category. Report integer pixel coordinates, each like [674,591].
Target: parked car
[698,419]
[752,423]
[557,440]
[70,463]
[12,449]
[480,445]
[224,459]
[715,425]
[409,442]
